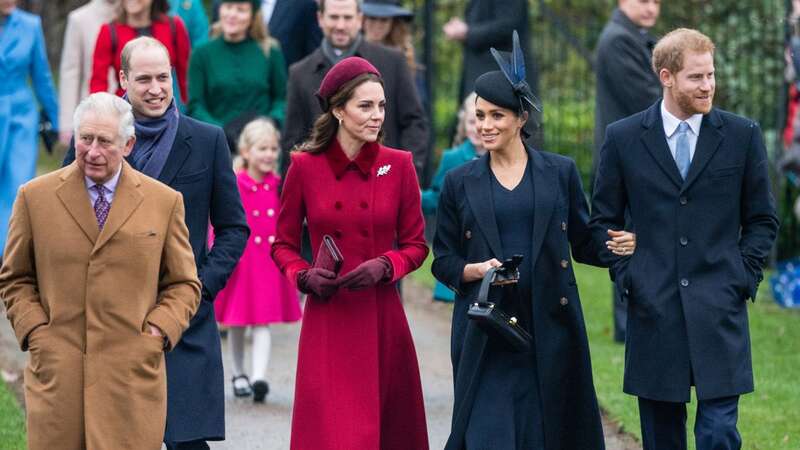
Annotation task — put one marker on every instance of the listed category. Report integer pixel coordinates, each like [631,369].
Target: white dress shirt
[671,127]
[110,185]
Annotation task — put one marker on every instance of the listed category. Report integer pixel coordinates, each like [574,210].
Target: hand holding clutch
[367,274]
[317,281]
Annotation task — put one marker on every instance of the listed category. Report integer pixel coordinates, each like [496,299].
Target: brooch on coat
[383,170]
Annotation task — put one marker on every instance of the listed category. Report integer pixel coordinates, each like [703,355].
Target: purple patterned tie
[101,205]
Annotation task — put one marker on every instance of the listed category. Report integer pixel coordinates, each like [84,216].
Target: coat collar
[180,151]
[339,161]
[247,182]
[642,34]
[478,189]
[656,143]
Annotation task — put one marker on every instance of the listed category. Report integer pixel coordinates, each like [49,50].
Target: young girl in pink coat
[257,294]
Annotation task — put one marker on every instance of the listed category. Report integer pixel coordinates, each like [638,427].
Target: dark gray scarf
[331,53]
[154,139]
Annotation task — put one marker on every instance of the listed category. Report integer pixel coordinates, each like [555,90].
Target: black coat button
[468,234]
[684,282]
[684,241]
[564,301]
[563,226]
[564,263]
[684,200]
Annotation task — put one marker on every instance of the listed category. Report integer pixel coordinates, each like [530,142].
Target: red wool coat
[357,384]
[177,44]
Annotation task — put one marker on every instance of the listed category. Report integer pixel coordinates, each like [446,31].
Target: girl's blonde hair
[256,130]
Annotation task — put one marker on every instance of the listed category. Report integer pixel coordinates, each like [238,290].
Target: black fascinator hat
[507,87]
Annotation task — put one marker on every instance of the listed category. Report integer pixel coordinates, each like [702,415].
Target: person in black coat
[626,84]
[406,125]
[515,200]
[193,158]
[696,184]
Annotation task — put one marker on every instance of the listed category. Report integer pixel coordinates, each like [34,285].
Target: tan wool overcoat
[80,300]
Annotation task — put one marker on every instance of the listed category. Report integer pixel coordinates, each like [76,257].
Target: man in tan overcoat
[98,280]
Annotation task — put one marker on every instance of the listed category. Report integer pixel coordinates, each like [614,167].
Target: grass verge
[12,422]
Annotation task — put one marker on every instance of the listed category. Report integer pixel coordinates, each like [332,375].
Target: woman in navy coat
[357,384]
[22,57]
[516,200]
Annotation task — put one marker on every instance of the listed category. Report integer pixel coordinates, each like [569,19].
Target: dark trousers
[190,445]
[664,424]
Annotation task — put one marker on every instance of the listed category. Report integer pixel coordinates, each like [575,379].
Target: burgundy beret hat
[344,71]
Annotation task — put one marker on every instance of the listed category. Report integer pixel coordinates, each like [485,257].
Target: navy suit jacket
[701,246]
[199,167]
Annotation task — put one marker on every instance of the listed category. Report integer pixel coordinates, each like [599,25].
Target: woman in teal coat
[470,148]
[22,57]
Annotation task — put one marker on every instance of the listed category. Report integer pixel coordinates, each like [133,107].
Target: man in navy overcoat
[696,182]
[193,158]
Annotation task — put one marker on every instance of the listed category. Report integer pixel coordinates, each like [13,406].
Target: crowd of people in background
[296,132]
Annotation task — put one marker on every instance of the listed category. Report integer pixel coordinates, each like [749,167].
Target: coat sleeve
[70,74]
[609,202]
[18,281]
[632,78]
[449,259]
[42,79]
[198,92]
[289,228]
[758,217]
[178,285]
[411,247]
[508,16]
[585,247]
[228,219]
[102,61]
[277,85]
[182,57]
[411,120]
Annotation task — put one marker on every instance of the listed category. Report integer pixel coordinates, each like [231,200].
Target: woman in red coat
[140,18]
[357,384]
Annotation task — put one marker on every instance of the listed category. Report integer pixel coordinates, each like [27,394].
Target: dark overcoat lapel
[181,149]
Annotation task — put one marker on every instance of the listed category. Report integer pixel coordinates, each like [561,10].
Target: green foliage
[12,422]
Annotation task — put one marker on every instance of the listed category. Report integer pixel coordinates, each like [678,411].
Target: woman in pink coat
[357,384]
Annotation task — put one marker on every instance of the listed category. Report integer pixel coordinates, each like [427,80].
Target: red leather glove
[320,282]
[367,274]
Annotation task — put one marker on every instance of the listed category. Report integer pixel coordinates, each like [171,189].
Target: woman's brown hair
[326,126]
[158,9]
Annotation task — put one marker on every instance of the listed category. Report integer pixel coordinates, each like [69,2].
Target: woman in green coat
[238,75]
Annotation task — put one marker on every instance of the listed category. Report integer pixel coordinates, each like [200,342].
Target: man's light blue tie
[682,149]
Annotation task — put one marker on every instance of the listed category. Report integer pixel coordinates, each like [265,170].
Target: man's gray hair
[105,104]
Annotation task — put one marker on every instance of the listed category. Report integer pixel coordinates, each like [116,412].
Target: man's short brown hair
[140,42]
[359,5]
[670,49]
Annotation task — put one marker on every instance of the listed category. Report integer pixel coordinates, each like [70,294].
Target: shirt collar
[671,122]
[340,162]
[110,185]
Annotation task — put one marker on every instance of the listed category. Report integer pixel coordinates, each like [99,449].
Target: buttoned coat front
[466,233]
[79,299]
[701,246]
[357,384]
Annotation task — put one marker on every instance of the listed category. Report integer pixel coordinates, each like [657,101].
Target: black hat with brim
[386,9]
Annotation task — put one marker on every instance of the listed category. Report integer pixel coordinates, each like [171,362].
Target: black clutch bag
[490,317]
[48,134]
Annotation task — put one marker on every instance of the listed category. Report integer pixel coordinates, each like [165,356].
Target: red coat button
[364,233]
[337,205]
[364,205]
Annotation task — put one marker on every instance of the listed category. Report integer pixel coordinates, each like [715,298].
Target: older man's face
[148,82]
[340,22]
[99,150]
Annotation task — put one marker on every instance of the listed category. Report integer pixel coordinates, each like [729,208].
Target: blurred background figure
[293,23]
[466,146]
[387,23]
[486,24]
[23,57]
[80,36]
[257,294]
[193,14]
[626,84]
[239,74]
[141,18]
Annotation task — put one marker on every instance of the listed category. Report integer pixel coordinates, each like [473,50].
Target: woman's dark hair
[158,9]
[326,125]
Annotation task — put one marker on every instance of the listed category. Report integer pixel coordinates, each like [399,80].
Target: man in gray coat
[405,126]
[626,84]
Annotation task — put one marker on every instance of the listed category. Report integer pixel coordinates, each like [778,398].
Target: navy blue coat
[701,245]
[199,167]
[467,233]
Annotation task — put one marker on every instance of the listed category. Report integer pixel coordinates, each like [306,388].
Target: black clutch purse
[48,134]
[490,317]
